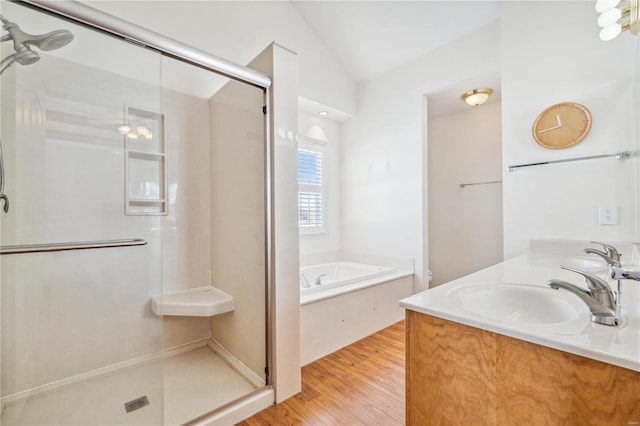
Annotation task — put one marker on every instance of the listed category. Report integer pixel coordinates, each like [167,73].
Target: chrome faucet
[305,281]
[599,297]
[318,280]
[610,253]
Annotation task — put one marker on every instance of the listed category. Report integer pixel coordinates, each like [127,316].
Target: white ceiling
[369,37]
[372,37]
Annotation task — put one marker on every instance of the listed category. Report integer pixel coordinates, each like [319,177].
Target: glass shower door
[214,234]
[79,343]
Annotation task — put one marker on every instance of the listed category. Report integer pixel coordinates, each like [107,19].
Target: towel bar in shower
[82,245]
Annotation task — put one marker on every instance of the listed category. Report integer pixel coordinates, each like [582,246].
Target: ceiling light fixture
[613,16]
[324,113]
[477,97]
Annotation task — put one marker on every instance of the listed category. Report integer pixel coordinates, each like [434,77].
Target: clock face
[562,125]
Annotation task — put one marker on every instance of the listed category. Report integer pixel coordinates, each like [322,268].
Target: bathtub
[336,274]
[352,301]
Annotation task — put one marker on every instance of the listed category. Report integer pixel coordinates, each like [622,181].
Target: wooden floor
[361,384]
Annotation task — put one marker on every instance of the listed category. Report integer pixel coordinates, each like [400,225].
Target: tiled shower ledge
[195,302]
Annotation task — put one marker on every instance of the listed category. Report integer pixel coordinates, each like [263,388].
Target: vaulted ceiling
[372,37]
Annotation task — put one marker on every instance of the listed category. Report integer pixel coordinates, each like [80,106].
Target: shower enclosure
[134,237]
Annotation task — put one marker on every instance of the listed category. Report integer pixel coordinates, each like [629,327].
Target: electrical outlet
[608,215]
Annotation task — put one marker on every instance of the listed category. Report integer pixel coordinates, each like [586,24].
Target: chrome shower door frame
[175,49]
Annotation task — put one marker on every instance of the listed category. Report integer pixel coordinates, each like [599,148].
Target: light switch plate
[608,215]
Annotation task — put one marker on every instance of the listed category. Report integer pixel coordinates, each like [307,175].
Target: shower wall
[187,226]
[238,220]
[69,313]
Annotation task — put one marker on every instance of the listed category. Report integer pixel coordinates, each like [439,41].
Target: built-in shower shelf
[196,302]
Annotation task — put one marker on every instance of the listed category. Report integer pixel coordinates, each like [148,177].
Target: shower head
[45,42]
[49,41]
[26,57]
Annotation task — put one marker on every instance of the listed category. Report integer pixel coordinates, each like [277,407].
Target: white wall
[383,150]
[563,60]
[238,30]
[280,64]
[320,128]
[465,224]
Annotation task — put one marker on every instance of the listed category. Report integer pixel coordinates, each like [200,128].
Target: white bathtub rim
[350,263]
[371,272]
[348,288]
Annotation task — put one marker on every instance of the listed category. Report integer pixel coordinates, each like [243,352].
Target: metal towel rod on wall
[622,155]
[462,185]
[83,245]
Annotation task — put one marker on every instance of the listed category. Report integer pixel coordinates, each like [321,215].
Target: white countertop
[617,345]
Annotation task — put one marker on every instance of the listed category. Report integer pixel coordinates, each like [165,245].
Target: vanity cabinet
[457,374]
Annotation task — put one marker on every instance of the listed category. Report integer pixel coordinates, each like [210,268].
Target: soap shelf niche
[195,302]
[145,162]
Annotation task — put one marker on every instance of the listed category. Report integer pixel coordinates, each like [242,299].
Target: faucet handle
[610,250]
[599,289]
[624,274]
[595,283]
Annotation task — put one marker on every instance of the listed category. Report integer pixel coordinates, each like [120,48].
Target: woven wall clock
[562,125]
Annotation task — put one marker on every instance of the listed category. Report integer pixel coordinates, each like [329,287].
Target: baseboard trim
[248,374]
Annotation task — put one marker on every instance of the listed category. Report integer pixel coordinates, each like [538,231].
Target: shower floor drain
[136,404]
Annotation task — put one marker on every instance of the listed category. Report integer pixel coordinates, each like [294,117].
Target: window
[311,186]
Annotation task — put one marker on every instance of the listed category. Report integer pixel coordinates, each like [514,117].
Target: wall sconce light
[613,18]
[477,97]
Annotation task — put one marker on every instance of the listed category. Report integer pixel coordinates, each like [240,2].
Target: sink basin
[518,303]
[585,263]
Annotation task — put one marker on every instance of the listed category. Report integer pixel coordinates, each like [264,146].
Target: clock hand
[550,128]
[558,120]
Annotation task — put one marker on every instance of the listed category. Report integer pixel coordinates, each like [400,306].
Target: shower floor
[195,383]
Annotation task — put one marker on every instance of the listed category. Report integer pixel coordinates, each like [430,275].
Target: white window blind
[311,203]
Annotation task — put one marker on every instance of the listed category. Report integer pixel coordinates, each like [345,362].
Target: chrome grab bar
[82,245]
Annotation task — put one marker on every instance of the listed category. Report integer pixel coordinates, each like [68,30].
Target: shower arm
[24,55]
[2,68]
[6,63]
